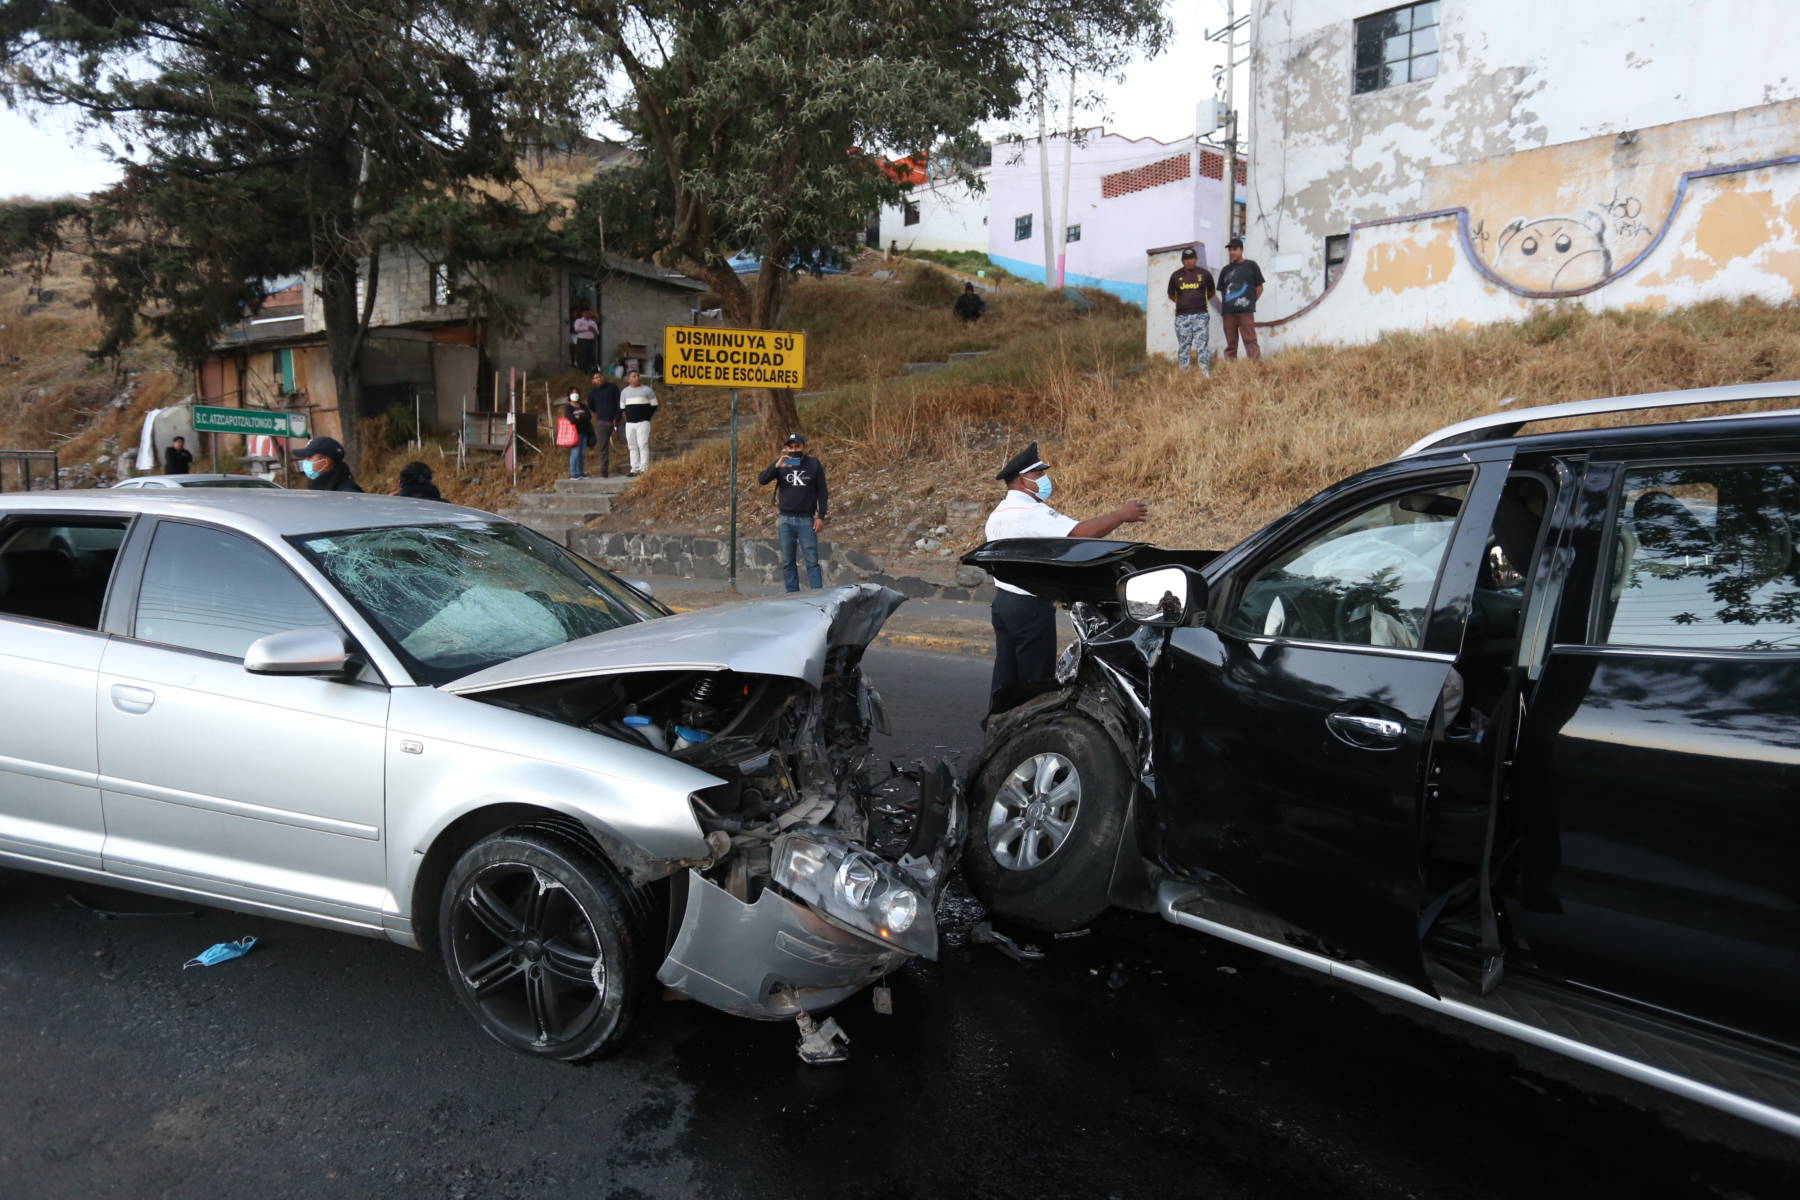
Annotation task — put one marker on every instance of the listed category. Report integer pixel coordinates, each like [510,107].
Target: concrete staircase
[572,504]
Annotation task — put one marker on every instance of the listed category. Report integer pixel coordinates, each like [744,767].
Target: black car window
[1703,558]
[1367,580]
[57,570]
[213,590]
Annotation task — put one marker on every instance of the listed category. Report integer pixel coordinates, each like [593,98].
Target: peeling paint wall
[1563,128]
[1734,233]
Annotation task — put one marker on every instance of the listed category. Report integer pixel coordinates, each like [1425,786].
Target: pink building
[1126,196]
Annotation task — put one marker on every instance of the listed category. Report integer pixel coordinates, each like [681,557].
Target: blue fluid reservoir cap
[692,735]
[640,722]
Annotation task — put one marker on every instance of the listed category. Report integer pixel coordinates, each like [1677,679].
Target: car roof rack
[1506,424]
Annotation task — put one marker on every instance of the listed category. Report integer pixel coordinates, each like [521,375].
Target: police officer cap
[1025,460]
[329,446]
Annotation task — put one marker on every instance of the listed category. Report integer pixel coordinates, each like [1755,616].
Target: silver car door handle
[1378,728]
[132,699]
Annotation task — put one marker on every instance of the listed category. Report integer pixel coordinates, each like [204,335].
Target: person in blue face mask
[1025,625]
[322,461]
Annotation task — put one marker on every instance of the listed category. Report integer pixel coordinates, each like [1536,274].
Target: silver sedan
[426,723]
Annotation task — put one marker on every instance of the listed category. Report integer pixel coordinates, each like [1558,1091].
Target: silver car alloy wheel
[1034,811]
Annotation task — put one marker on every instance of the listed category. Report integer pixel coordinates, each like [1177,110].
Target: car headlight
[855,880]
[800,860]
[853,889]
[899,909]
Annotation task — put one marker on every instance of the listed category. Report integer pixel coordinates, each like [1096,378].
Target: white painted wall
[1513,75]
[952,216]
[1116,231]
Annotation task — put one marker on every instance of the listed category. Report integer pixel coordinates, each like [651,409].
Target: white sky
[45,157]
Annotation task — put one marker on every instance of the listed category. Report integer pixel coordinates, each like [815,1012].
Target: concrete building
[1126,197]
[941,212]
[1465,161]
[438,341]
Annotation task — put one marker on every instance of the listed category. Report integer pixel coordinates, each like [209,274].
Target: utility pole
[1062,230]
[1043,86]
[1228,175]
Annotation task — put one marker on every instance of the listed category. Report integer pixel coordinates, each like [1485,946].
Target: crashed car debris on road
[492,746]
[1507,728]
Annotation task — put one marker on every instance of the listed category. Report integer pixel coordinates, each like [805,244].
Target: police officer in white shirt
[1025,625]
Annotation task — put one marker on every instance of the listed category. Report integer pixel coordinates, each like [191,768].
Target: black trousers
[1024,639]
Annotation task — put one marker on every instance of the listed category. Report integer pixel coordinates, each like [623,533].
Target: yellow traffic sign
[707,356]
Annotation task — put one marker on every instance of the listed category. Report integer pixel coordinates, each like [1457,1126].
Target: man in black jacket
[603,403]
[176,459]
[322,459]
[800,501]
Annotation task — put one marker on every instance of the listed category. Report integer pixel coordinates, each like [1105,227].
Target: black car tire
[1068,887]
[543,944]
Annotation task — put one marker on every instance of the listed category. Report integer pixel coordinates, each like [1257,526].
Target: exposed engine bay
[795,909]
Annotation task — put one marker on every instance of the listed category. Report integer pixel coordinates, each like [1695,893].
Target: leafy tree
[265,137]
[759,123]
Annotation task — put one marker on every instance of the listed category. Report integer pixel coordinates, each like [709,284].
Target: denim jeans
[797,533]
[578,459]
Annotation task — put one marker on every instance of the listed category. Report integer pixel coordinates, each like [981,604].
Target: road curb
[930,641]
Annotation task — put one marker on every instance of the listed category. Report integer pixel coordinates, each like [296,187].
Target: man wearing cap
[1025,625]
[800,500]
[1191,288]
[322,459]
[1240,285]
[637,404]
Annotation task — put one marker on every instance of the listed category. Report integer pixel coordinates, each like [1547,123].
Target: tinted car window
[58,572]
[1365,581]
[209,589]
[1703,558]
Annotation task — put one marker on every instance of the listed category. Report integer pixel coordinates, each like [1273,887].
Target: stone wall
[687,556]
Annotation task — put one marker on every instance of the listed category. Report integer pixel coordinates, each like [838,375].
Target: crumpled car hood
[787,636]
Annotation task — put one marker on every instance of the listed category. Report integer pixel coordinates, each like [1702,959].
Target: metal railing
[23,459]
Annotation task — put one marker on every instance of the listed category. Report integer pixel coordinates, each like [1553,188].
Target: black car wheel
[1045,825]
[539,937]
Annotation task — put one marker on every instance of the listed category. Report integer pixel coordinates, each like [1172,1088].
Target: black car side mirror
[1162,597]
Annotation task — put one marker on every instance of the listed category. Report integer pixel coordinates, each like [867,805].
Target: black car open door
[1294,733]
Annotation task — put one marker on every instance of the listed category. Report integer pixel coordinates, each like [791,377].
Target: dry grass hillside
[1216,458]
[906,453]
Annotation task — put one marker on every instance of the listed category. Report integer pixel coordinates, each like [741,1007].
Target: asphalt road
[1138,1060]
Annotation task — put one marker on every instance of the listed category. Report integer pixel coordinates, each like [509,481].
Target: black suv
[1508,727]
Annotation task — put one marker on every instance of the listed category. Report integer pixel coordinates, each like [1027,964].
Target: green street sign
[208,419]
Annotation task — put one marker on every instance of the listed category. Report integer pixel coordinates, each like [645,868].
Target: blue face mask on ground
[1044,487]
[222,952]
[311,471]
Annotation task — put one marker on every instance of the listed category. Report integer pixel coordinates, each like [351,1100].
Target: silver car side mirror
[1163,596]
[642,585]
[299,652]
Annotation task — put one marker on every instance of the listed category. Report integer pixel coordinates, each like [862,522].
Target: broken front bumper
[812,943]
[769,960]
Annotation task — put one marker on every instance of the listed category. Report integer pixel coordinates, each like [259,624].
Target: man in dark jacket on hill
[800,500]
[322,459]
[176,459]
[970,306]
[603,403]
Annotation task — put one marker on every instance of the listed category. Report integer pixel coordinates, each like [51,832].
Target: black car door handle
[1366,733]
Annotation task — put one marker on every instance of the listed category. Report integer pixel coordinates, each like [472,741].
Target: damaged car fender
[469,756]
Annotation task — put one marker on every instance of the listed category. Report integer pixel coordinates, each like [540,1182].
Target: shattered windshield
[455,599]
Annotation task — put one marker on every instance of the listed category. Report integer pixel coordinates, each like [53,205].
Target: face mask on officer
[1044,487]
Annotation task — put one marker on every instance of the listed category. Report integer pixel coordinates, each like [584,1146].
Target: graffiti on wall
[1553,254]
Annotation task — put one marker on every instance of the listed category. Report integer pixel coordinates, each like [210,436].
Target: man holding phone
[800,501]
